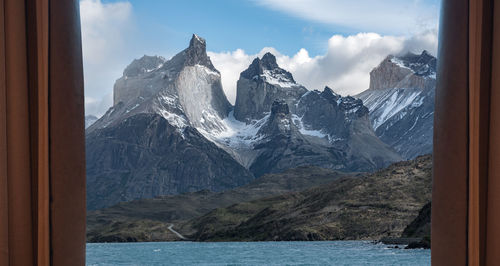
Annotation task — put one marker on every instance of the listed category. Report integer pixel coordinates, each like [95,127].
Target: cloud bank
[345,67]
[108,32]
[384,16]
[105,29]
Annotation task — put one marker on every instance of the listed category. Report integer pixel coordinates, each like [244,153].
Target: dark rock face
[282,146]
[401,102]
[197,53]
[305,127]
[330,112]
[149,142]
[279,122]
[276,125]
[186,90]
[421,225]
[260,85]
[144,156]
[345,122]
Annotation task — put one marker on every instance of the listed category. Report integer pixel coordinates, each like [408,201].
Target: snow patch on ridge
[399,63]
[389,106]
[175,120]
[278,79]
[304,131]
[237,134]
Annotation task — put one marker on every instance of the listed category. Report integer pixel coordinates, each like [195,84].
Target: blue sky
[229,25]
[300,32]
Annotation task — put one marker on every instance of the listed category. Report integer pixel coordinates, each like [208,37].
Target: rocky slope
[420,228]
[144,156]
[281,145]
[401,102]
[298,127]
[185,90]
[260,85]
[368,206]
[148,143]
[171,129]
[148,219]
[344,122]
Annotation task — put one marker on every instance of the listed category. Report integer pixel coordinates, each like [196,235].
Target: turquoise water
[253,253]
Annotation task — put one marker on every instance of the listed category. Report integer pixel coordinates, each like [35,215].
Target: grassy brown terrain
[148,219]
[369,206]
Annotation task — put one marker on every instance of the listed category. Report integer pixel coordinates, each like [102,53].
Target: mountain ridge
[276,124]
[401,102]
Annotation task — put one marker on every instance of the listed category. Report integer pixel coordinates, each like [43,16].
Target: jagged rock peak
[279,107]
[279,123]
[143,65]
[266,67]
[197,42]
[268,61]
[196,53]
[328,90]
[329,94]
[423,64]
[406,71]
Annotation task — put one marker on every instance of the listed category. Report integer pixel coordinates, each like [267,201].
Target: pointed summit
[196,53]
[279,124]
[330,95]
[197,42]
[268,61]
[262,83]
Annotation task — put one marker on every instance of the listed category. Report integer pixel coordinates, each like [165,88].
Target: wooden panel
[67,138]
[449,195]
[38,48]
[493,204]
[18,148]
[4,211]
[479,94]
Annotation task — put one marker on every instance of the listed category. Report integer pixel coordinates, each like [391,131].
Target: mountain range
[172,130]
[401,102]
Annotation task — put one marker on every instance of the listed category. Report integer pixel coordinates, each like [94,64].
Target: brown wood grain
[480,25]
[67,135]
[450,162]
[493,197]
[18,144]
[38,46]
[4,210]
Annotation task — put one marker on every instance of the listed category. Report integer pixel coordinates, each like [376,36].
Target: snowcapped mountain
[260,85]
[171,129]
[149,143]
[300,127]
[345,123]
[186,90]
[401,102]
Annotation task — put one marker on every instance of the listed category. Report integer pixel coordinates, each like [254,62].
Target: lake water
[253,253]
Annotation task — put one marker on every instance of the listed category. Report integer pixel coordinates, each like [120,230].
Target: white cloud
[105,31]
[109,36]
[345,67]
[385,16]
